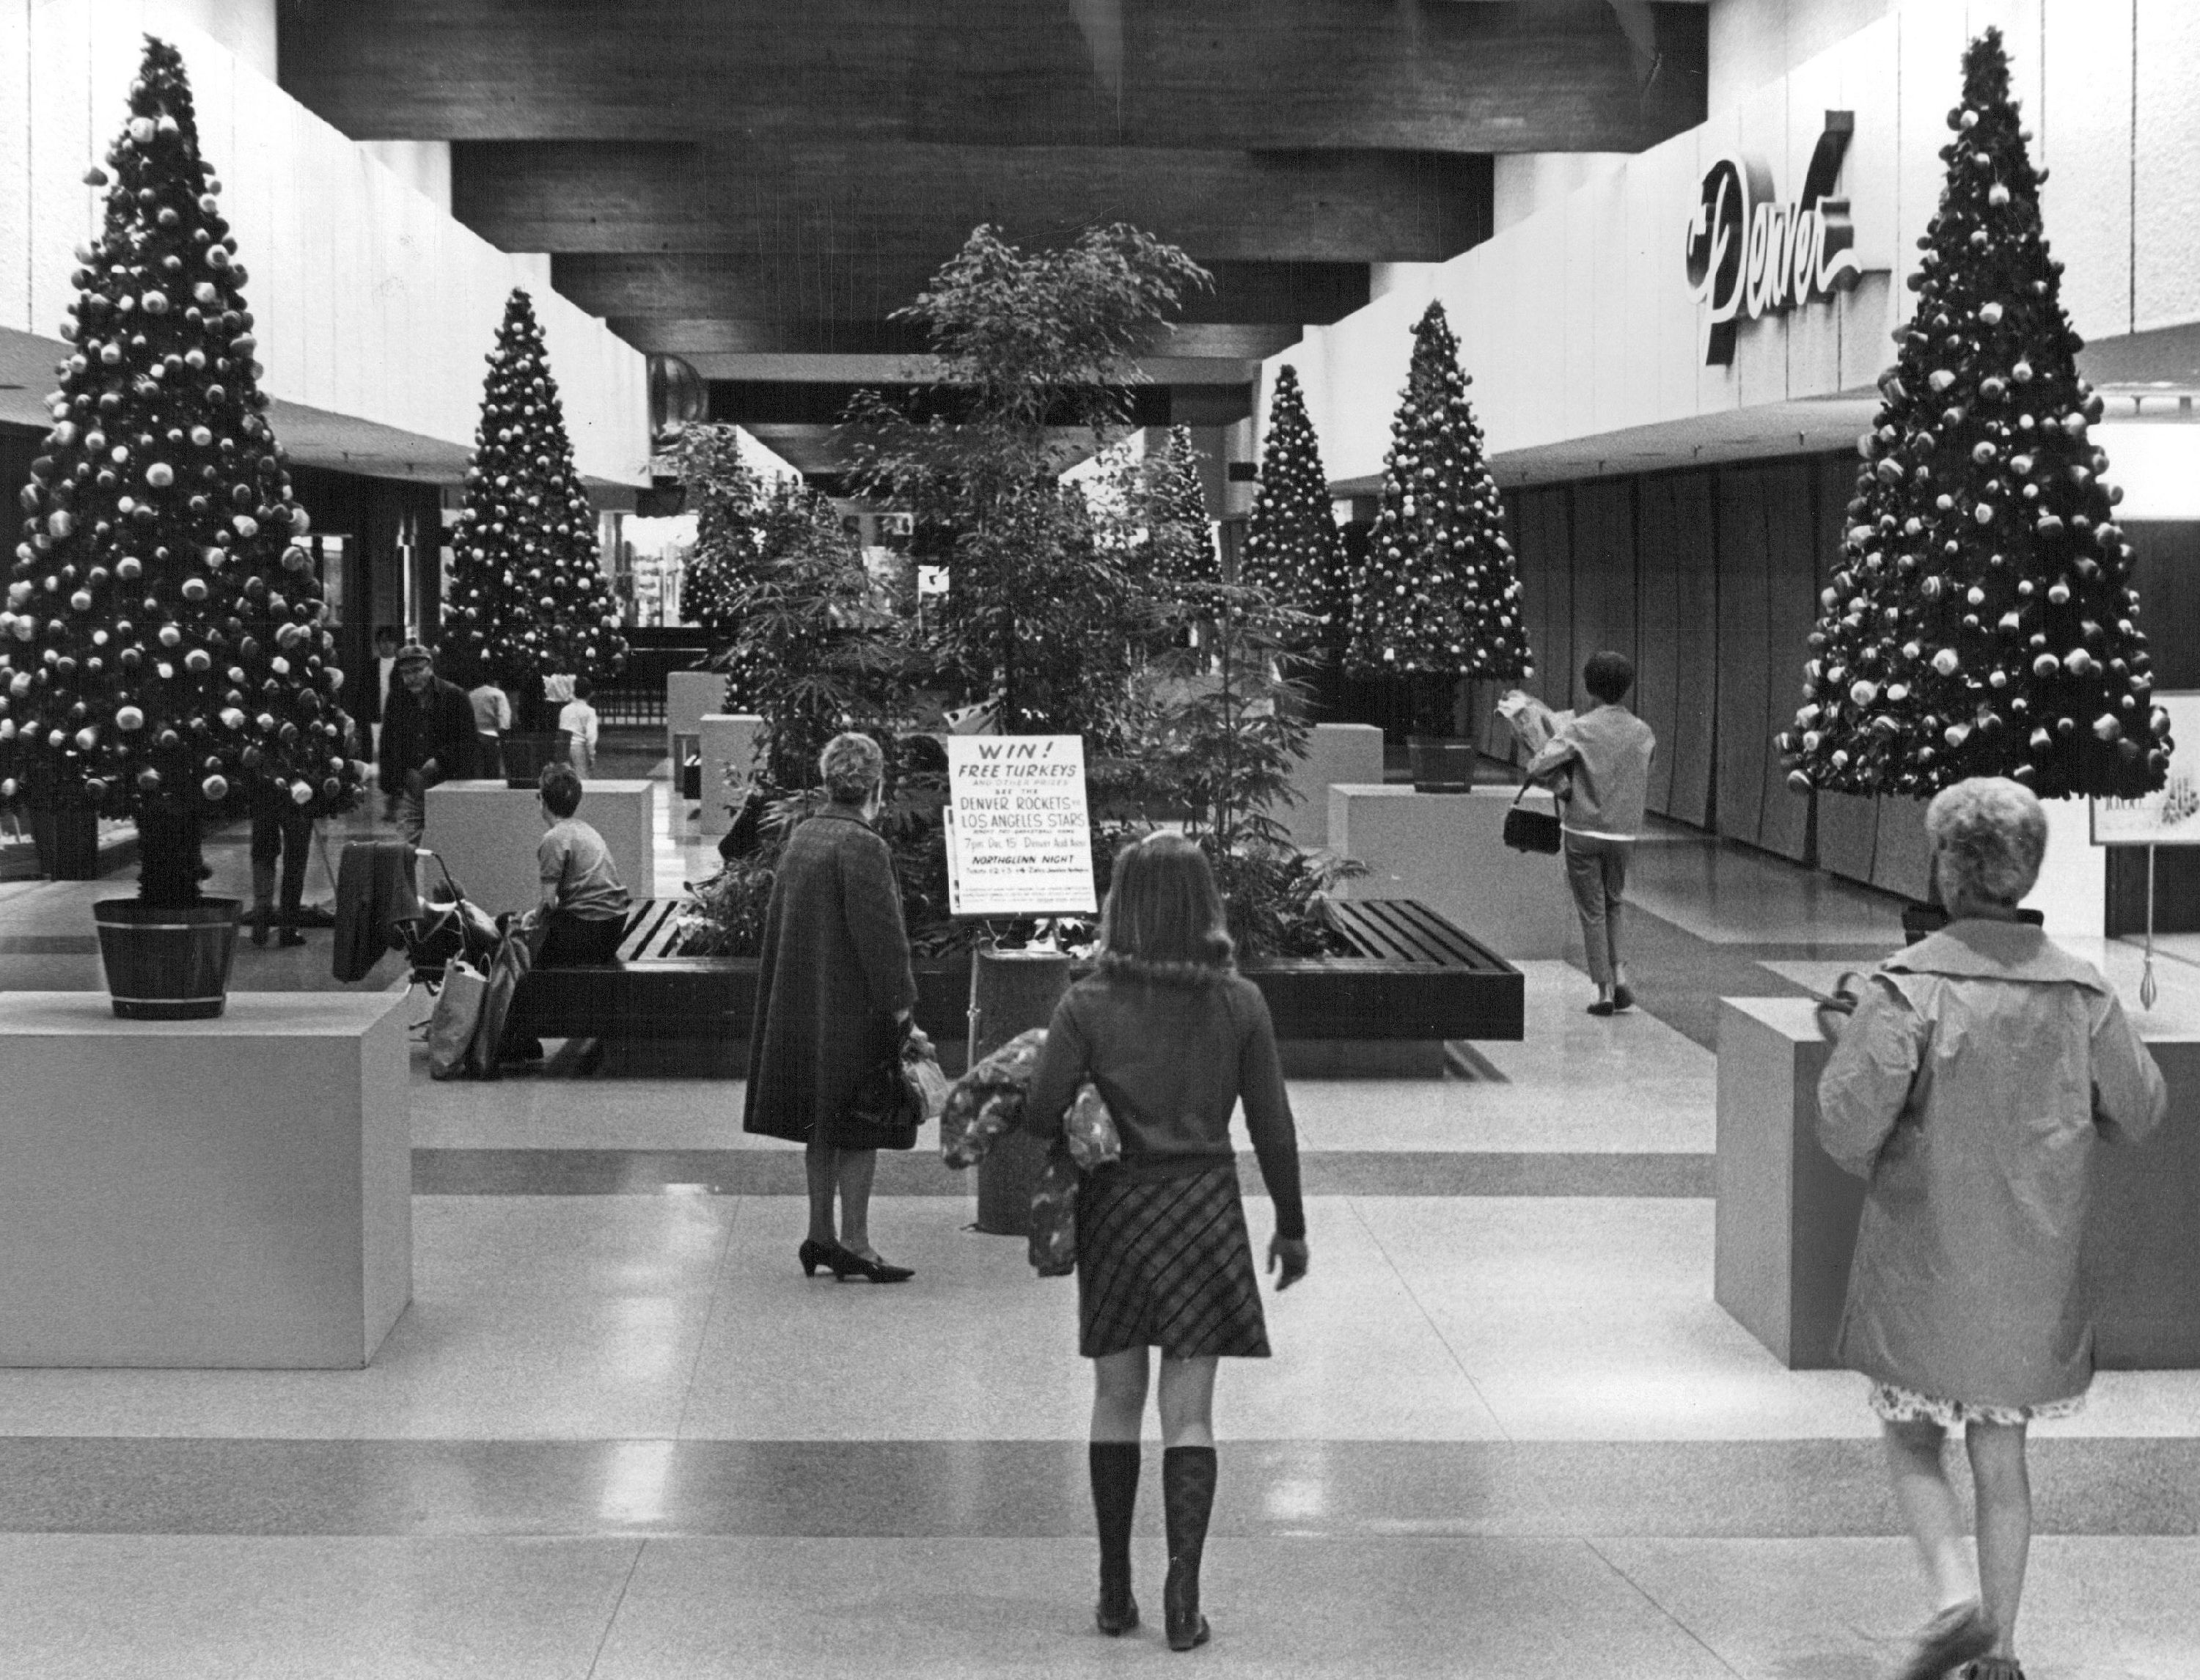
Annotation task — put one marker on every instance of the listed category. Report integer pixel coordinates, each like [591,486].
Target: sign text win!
[1018,839]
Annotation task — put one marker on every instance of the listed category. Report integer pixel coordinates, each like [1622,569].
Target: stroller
[446,930]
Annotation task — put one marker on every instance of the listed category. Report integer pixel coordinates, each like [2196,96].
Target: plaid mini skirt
[1167,1264]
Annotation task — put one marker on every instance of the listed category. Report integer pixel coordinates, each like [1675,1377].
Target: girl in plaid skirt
[1174,1037]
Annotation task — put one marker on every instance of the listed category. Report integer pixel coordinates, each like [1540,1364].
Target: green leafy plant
[723,492]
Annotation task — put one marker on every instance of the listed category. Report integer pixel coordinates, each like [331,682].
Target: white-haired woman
[834,991]
[1981,1066]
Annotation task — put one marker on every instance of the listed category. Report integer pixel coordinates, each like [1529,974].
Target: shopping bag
[1089,1130]
[458,1014]
[1053,1241]
[921,1068]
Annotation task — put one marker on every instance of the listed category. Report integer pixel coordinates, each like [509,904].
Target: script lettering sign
[1750,256]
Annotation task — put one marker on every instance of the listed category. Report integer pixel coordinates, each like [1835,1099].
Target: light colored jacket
[1969,1088]
[1607,751]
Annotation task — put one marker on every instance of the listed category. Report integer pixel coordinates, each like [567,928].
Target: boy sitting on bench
[584,908]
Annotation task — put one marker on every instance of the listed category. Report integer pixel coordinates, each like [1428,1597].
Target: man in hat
[427,737]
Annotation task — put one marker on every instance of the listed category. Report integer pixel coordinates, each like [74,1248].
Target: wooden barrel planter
[1441,765]
[167,963]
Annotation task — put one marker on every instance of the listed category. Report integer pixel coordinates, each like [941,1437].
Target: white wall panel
[2167,165]
[369,301]
[2086,202]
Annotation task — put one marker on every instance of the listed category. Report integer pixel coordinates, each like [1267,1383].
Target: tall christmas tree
[1179,537]
[528,598]
[162,653]
[1981,622]
[1292,549]
[722,492]
[1440,592]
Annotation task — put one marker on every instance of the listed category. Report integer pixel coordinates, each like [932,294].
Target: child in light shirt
[578,719]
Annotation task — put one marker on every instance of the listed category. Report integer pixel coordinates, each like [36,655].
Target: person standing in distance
[1980,1070]
[1173,1037]
[1602,759]
[835,994]
[427,737]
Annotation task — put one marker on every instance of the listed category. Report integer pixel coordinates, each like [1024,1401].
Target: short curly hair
[853,768]
[1989,833]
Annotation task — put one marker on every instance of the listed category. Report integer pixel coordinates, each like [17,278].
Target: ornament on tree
[1439,593]
[1979,463]
[526,535]
[1292,549]
[109,616]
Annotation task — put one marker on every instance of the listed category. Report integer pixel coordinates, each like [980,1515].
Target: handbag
[887,1108]
[458,1016]
[1529,831]
[1053,1229]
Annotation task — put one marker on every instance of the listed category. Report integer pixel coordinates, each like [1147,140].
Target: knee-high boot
[1115,1466]
[1187,1500]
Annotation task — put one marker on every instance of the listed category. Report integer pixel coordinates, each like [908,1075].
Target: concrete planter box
[486,834]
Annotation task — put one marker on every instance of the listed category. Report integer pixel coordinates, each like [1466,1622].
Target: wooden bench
[1413,975]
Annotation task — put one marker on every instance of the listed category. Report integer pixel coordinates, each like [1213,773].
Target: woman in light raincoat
[1981,1067]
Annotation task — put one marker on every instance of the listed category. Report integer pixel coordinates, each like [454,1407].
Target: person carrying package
[427,737]
[1602,759]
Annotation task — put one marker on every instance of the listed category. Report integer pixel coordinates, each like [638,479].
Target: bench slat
[1356,921]
[1409,940]
[643,928]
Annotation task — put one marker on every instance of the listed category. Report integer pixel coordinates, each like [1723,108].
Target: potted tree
[1438,598]
[162,651]
[529,599]
[1981,619]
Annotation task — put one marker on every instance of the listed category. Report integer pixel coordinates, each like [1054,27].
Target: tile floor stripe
[744,1171]
[1033,1488]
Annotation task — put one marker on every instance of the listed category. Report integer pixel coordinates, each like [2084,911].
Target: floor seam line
[1650,1599]
[709,1317]
[618,1604]
[1427,1317]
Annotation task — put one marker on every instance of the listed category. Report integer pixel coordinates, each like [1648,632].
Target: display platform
[1787,1215]
[689,697]
[1447,850]
[234,1192]
[1337,754]
[729,745]
[486,835]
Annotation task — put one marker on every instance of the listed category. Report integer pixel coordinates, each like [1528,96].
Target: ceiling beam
[693,339]
[1538,75]
[786,287]
[918,201]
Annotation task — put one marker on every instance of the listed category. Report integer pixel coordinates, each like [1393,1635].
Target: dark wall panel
[1677,588]
[1744,630]
[1545,543]
[1605,608]
[1790,554]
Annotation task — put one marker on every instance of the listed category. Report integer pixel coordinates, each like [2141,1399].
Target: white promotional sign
[1018,843]
[2172,816]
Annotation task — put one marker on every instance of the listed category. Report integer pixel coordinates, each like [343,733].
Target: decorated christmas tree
[1180,538]
[1439,595]
[722,492]
[528,598]
[1292,550]
[1981,621]
[162,653]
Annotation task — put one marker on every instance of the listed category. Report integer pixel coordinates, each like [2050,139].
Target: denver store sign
[1750,256]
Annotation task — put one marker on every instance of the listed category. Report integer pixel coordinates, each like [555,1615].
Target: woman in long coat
[834,991]
[1981,1067]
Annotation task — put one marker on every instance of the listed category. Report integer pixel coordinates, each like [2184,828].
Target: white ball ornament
[86,738]
[302,794]
[2045,665]
[2059,593]
[215,787]
[1863,692]
[1946,662]
[1996,195]
[159,475]
[141,131]
[129,717]
[198,662]
[1991,313]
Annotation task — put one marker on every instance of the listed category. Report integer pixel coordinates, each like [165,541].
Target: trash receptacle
[1015,990]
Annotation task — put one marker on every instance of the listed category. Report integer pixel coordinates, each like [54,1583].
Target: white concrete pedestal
[1447,850]
[729,747]
[486,834]
[1336,753]
[235,1192]
[689,697]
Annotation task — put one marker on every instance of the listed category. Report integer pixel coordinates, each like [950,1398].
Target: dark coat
[834,974]
[439,725]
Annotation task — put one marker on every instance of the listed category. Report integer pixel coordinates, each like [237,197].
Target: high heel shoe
[847,1263]
[813,1254]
